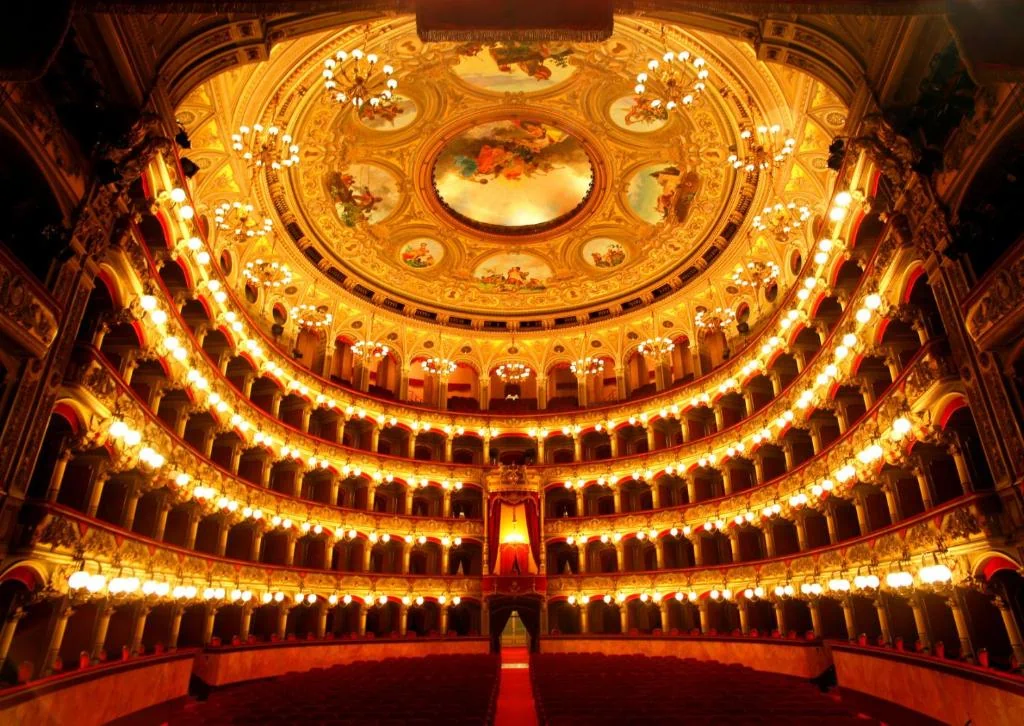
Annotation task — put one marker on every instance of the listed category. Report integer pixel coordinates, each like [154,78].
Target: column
[449,443]
[95,493]
[703,607]
[748,401]
[744,607]
[131,504]
[759,468]
[883,618]
[363,611]
[801,533]
[193,529]
[247,382]
[409,492]
[282,619]
[962,630]
[734,543]
[367,555]
[289,550]
[321,619]
[666,613]
[841,418]
[99,629]
[374,438]
[487,450]
[445,559]
[141,612]
[172,638]
[406,557]
[719,417]
[727,479]
[849,617]
[815,432]
[698,552]
[780,615]
[624,617]
[236,458]
[542,392]
[275,404]
[581,392]
[7,633]
[684,428]
[769,539]
[257,541]
[863,520]
[580,505]
[371,494]
[617,498]
[868,392]
[446,503]
[485,618]
[963,473]
[577,448]
[58,624]
[924,483]
[540,450]
[444,620]
[403,384]
[691,491]
[815,608]
[655,494]
[776,380]
[222,537]
[1012,631]
[246,624]
[410,449]
[57,475]
[921,621]
[307,412]
[613,442]
[334,485]
[583,618]
[787,452]
[651,437]
[892,501]
[620,555]
[830,520]
[659,552]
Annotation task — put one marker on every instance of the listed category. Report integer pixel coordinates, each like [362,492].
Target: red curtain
[494,527]
[533,529]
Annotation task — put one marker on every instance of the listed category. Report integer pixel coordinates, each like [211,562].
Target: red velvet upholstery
[455,690]
[573,689]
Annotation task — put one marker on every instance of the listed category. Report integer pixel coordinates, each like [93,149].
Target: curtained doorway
[523,612]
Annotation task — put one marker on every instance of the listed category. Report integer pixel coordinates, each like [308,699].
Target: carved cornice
[28,315]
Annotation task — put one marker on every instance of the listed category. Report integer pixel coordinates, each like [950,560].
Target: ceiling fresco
[509,179]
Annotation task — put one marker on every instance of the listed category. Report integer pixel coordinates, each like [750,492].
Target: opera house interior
[319,404]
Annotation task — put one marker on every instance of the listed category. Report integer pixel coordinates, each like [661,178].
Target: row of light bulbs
[96,584]
[863,315]
[837,215]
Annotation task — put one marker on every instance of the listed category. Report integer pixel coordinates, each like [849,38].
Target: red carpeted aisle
[515,697]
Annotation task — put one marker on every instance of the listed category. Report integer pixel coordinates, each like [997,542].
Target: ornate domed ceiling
[510,180]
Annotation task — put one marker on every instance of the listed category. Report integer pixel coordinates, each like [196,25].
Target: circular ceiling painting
[421,253]
[662,193]
[603,253]
[513,176]
[634,114]
[362,193]
[513,67]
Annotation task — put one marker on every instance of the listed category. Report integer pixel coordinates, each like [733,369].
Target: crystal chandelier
[766,149]
[267,273]
[671,83]
[265,146]
[512,372]
[240,221]
[712,320]
[438,366]
[370,349]
[311,317]
[755,274]
[354,78]
[781,221]
[656,346]
[587,366]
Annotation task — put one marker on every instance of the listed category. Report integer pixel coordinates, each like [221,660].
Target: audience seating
[456,690]
[591,689]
